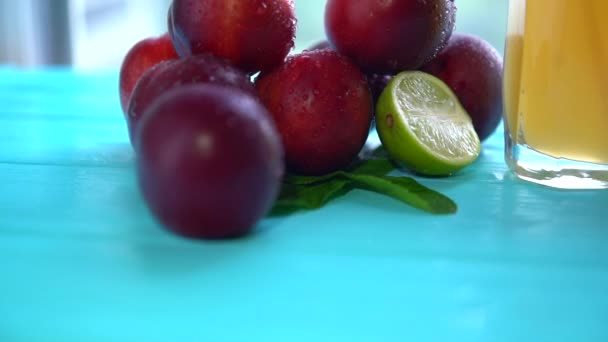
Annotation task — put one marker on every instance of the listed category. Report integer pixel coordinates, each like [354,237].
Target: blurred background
[96,34]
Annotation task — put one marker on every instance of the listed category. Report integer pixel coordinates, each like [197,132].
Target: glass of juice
[556,92]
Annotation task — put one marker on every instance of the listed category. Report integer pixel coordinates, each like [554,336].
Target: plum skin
[322,107]
[254,35]
[387,37]
[472,68]
[209,161]
[141,57]
[377,82]
[203,68]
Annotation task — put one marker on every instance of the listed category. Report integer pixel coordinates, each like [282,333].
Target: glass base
[531,165]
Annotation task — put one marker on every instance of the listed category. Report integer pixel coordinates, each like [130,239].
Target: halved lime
[422,125]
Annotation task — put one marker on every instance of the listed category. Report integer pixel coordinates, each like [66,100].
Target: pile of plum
[218,110]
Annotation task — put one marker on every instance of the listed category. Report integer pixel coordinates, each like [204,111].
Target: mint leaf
[294,197]
[377,167]
[309,180]
[406,190]
[313,192]
[374,167]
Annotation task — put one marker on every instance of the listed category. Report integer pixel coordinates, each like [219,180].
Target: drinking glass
[556,92]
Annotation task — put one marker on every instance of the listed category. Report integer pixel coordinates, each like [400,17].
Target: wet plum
[321,104]
[253,35]
[472,68]
[389,36]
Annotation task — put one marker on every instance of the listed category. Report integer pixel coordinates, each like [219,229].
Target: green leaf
[309,180]
[295,197]
[374,167]
[377,167]
[406,190]
[313,192]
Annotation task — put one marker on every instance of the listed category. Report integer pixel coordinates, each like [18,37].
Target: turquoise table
[83,260]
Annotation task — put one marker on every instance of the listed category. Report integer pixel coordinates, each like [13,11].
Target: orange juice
[556,80]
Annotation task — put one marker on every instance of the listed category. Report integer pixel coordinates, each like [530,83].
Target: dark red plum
[321,104]
[209,161]
[141,57]
[254,35]
[472,68]
[377,83]
[204,68]
[387,37]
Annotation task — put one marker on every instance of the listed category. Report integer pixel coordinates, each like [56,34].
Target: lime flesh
[423,126]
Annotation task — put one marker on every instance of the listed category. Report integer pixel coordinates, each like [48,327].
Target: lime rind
[422,125]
